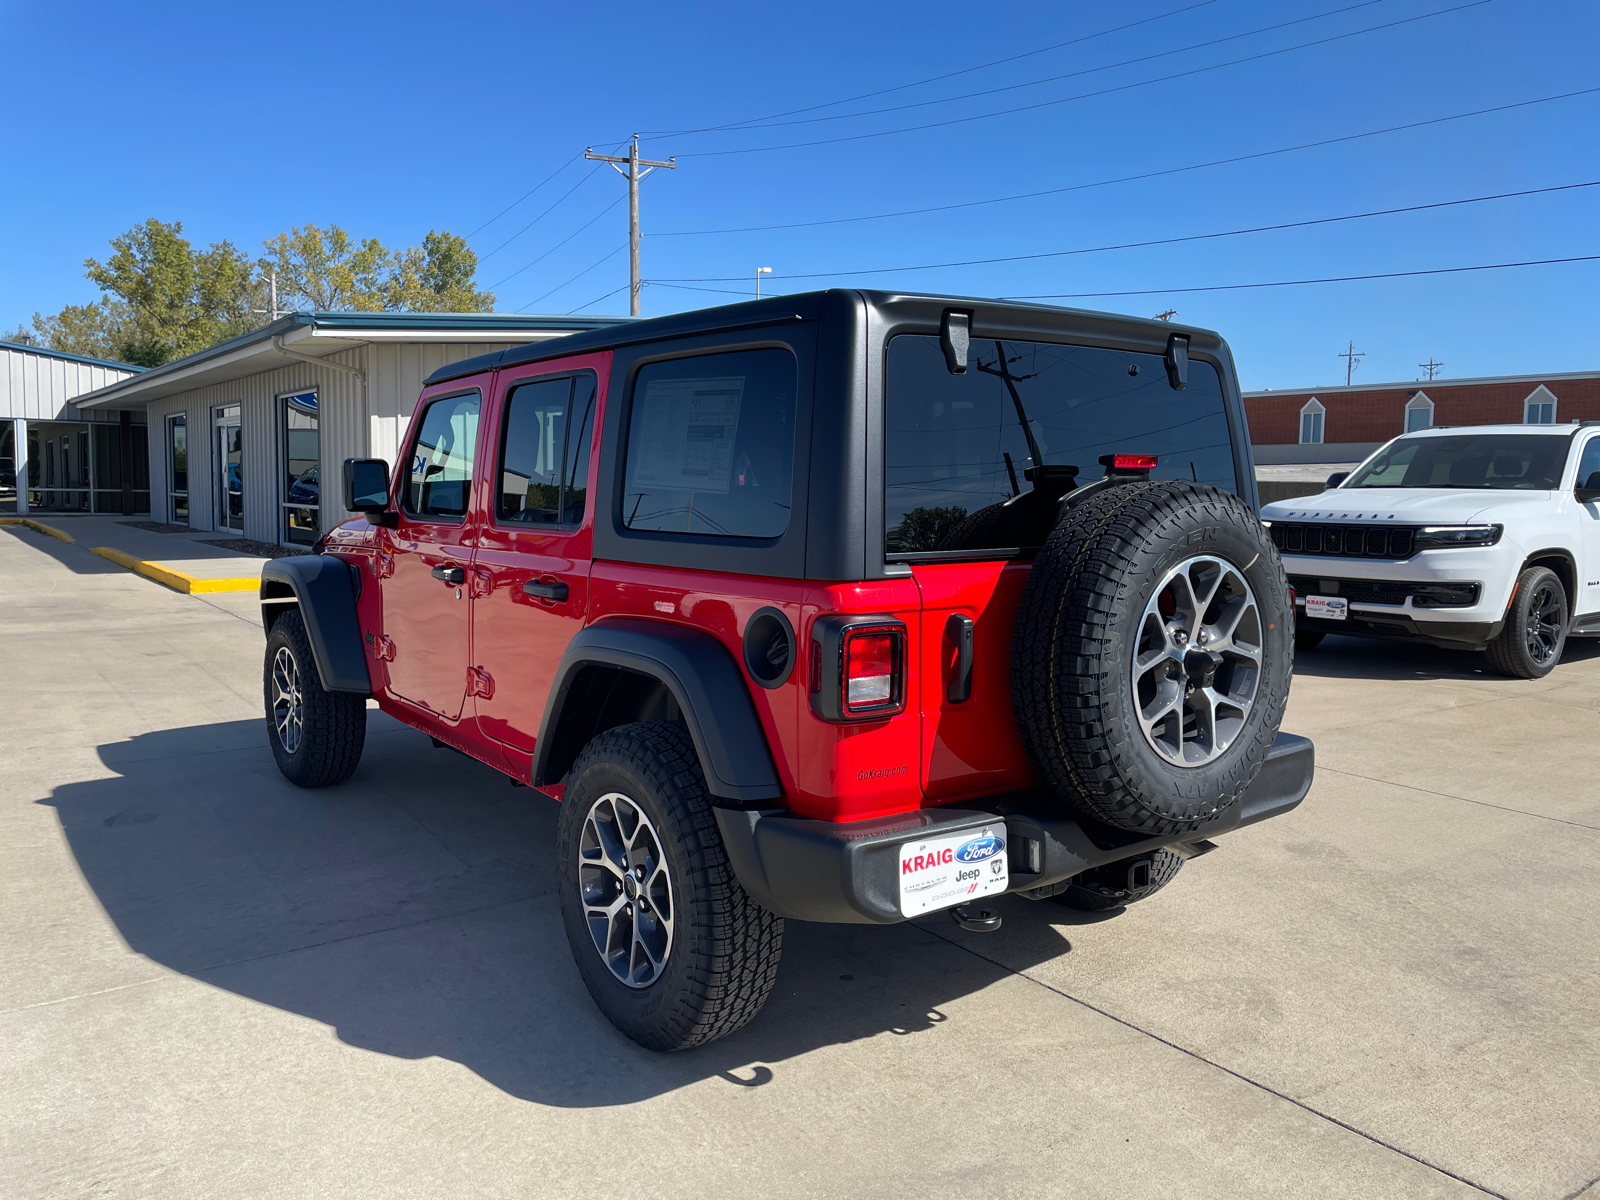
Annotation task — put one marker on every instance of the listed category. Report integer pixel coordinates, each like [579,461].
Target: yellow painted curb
[34,525]
[178,581]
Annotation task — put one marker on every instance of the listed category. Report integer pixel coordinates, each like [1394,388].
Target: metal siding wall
[39,387]
[397,372]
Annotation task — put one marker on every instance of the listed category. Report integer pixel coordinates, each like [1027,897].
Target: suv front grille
[1344,541]
[1388,591]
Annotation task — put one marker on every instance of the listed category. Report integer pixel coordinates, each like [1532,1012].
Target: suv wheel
[1151,660]
[1535,632]
[672,949]
[1115,884]
[316,735]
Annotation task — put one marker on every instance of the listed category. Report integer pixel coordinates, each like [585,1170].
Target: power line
[523,197]
[607,258]
[1078,187]
[1012,87]
[1090,95]
[597,299]
[1235,287]
[540,217]
[561,243]
[1192,237]
[935,78]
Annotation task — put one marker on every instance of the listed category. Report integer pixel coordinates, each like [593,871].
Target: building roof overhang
[297,336]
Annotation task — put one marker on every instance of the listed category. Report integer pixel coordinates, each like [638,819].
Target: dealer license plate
[944,871]
[1327,608]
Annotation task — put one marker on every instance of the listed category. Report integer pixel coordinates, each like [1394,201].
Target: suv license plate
[944,871]
[1327,608]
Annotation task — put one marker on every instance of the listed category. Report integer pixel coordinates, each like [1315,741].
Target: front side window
[977,461]
[544,457]
[711,445]
[1589,464]
[1515,461]
[439,474]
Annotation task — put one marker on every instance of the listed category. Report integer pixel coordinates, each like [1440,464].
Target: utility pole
[760,271]
[632,175]
[1351,361]
[1430,367]
[1168,315]
[272,301]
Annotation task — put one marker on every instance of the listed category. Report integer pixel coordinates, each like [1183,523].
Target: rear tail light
[858,667]
[1133,462]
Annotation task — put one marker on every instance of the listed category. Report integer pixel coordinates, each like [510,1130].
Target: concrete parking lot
[217,985]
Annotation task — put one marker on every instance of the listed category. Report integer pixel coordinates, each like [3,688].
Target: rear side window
[439,476]
[544,456]
[958,448]
[711,445]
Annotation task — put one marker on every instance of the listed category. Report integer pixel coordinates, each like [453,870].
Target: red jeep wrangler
[846,607]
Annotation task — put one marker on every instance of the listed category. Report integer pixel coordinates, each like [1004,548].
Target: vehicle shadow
[1371,658]
[413,911]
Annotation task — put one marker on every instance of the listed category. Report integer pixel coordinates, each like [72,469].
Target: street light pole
[760,271]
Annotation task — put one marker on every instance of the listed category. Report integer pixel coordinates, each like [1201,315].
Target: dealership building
[243,435]
[1345,424]
[57,457]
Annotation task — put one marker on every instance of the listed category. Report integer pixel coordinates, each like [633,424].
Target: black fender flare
[703,679]
[324,586]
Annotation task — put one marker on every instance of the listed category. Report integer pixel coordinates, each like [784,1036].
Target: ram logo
[979,849]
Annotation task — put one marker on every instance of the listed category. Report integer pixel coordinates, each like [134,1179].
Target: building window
[302,458]
[1419,413]
[1311,422]
[178,469]
[1540,407]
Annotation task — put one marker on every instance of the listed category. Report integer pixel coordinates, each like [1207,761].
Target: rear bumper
[848,872]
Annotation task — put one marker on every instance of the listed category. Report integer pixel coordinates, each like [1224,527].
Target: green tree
[925,528]
[437,277]
[328,270]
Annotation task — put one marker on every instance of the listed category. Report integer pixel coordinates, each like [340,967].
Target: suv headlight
[1441,537]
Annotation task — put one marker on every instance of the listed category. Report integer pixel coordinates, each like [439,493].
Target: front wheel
[1535,631]
[673,950]
[316,735]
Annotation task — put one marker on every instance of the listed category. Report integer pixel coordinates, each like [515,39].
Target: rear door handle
[454,576]
[958,629]
[544,591]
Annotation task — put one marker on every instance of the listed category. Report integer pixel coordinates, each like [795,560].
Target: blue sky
[394,119]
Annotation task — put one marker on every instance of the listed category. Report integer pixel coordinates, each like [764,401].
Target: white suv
[1478,538]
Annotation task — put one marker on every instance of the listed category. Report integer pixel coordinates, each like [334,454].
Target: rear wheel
[671,948]
[1535,631]
[316,735]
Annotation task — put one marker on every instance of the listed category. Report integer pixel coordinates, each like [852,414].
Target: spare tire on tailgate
[1152,654]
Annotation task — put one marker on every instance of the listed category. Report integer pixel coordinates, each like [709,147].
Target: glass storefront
[302,449]
[178,470]
[8,466]
[230,468]
[76,466]
[107,467]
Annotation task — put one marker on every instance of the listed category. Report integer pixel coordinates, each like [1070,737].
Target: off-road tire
[1113,885]
[1072,653]
[1511,653]
[1308,639]
[975,529]
[723,959]
[333,725]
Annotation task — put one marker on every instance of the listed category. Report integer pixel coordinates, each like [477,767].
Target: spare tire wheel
[1151,658]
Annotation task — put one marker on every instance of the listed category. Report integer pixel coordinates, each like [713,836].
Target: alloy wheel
[1197,661]
[1545,622]
[288,703]
[626,889]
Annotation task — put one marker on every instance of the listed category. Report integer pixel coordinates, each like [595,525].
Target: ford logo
[979,849]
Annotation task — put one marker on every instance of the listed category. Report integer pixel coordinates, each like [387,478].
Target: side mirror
[366,485]
[1178,362]
[1336,479]
[1589,489]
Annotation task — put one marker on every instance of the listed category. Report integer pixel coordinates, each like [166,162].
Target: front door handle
[544,591]
[454,576]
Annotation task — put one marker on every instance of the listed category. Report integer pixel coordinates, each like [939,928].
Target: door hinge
[482,583]
[383,648]
[480,683]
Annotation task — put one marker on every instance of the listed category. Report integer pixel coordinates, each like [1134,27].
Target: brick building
[1345,424]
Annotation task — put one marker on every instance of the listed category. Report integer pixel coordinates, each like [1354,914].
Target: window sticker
[687,435]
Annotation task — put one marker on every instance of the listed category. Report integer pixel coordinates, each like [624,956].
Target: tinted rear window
[1487,461]
[955,450]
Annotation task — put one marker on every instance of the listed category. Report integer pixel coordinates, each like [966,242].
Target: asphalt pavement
[216,984]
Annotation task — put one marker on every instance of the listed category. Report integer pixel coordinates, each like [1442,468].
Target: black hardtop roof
[801,306]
